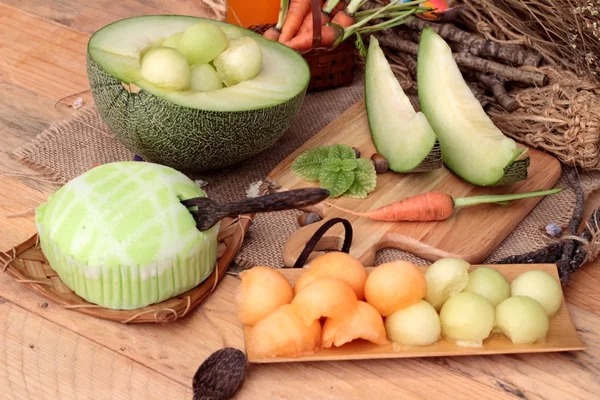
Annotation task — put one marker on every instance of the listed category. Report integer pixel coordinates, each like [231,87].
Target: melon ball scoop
[207,212]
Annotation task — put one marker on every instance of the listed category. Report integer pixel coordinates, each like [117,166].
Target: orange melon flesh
[336,265]
[282,334]
[262,291]
[365,323]
[324,298]
[395,285]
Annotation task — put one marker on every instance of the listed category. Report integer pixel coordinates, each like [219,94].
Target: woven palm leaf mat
[69,147]
[26,263]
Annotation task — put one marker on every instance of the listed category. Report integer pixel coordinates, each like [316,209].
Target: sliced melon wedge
[403,136]
[472,146]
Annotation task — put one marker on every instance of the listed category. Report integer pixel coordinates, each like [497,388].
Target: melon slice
[472,146]
[403,136]
[119,237]
[364,323]
[185,129]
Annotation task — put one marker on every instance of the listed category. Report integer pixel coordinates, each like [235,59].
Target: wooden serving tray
[562,335]
[471,234]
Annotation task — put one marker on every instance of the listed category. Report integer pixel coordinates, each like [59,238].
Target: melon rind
[186,138]
[194,131]
[119,237]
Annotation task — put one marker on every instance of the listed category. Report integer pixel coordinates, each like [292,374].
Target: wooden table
[47,352]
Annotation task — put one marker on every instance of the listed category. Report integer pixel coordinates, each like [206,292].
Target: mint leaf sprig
[337,169]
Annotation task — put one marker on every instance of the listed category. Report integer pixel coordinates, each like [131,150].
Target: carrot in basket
[295,15]
[339,7]
[307,24]
[332,34]
[273,33]
[345,17]
[436,206]
[329,34]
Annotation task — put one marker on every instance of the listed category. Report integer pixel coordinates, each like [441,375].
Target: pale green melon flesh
[119,236]
[403,136]
[472,146]
[117,48]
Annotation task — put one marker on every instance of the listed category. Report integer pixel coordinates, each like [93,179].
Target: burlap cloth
[70,147]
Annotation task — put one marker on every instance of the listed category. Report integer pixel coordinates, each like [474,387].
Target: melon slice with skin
[472,146]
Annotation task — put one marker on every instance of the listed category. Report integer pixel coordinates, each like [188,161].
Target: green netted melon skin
[185,138]
[119,237]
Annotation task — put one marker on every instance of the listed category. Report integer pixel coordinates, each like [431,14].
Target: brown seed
[308,218]
[357,152]
[220,375]
[380,163]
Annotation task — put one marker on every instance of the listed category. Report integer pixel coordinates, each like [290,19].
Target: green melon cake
[119,237]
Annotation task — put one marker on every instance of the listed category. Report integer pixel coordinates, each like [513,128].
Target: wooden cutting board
[471,234]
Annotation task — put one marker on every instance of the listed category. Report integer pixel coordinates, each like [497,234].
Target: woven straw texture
[69,147]
[27,264]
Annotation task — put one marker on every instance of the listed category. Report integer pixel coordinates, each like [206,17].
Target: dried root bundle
[565,32]
[562,118]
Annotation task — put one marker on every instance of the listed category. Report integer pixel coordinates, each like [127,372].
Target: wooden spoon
[208,212]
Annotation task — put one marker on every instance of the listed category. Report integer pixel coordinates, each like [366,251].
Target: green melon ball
[167,68]
[202,42]
[204,78]
[173,40]
[467,319]
[415,325]
[522,319]
[445,278]
[236,34]
[241,61]
[488,283]
[540,286]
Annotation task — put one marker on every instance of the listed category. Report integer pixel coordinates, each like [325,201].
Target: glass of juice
[246,13]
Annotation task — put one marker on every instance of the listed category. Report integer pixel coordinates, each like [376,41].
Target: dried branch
[478,46]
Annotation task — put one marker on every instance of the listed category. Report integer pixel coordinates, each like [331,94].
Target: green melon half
[194,131]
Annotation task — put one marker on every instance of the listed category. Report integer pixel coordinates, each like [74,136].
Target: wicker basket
[330,67]
[26,264]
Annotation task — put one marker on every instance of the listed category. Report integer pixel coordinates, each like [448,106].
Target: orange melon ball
[282,334]
[262,291]
[336,265]
[324,298]
[364,323]
[395,285]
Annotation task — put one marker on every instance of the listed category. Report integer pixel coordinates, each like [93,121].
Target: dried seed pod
[220,375]
[308,218]
[356,151]
[380,163]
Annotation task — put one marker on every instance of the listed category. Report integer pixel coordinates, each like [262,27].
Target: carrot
[295,15]
[342,18]
[334,33]
[329,34]
[273,33]
[436,206]
[339,7]
[346,17]
[307,24]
